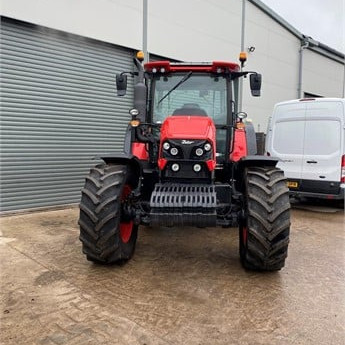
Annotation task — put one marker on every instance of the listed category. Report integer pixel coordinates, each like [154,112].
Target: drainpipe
[146,54]
[243,27]
[344,82]
[304,45]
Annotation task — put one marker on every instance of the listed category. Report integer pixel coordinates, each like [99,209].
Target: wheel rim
[244,235]
[126,227]
[243,229]
[126,231]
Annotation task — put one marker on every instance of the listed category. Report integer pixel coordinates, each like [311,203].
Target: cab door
[322,142]
[287,138]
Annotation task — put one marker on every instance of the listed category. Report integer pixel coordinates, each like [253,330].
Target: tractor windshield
[197,94]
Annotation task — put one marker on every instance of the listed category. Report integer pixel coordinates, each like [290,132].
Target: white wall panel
[322,76]
[114,21]
[276,58]
[195,30]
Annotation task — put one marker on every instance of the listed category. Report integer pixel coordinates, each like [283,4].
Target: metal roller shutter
[58,110]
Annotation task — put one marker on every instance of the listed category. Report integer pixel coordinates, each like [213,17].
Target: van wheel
[108,235]
[265,226]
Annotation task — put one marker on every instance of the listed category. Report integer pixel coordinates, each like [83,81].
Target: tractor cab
[192,98]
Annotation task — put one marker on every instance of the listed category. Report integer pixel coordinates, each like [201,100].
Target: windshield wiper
[187,76]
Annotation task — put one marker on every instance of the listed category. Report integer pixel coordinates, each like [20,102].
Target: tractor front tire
[265,225]
[106,236]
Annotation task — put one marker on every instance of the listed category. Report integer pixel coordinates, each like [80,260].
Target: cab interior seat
[190,109]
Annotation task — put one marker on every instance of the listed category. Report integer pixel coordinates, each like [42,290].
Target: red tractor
[188,160]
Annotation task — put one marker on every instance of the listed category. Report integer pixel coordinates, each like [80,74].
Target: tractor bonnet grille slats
[183,204]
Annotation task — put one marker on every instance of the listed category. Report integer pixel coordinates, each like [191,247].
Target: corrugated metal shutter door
[59,109]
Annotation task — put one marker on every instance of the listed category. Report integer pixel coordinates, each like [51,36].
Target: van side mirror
[121,84]
[255,84]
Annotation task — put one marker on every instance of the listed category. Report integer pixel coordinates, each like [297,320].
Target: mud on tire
[265,227]
[105,235]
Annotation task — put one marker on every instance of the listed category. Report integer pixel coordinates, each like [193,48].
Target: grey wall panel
[58,110]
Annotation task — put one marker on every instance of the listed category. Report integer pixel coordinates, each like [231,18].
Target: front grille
[185,196]
[183,204]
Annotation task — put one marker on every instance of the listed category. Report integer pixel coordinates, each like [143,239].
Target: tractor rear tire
[265,226]
[106,236]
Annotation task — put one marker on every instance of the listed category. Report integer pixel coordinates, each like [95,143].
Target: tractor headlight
[134,112]
[166,146]
[174,151]
[207,147]
[175,167]
[199,152]
[196,167]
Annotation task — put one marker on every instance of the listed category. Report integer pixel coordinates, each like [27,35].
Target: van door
[322,144]
[287,137]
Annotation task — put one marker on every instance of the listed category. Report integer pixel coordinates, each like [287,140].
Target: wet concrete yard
[183,286]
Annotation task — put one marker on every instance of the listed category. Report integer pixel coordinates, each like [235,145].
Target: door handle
[312,162]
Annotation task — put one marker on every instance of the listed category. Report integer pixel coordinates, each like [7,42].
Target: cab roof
[207,67]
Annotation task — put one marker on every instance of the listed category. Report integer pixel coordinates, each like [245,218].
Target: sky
[323,20]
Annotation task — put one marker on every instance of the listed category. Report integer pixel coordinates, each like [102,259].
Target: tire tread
[268,219]
[99,220]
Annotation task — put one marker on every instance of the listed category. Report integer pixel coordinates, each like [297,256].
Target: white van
[308,137]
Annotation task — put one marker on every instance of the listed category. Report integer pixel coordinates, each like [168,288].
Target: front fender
[258,161]
[252,161]
[123,158]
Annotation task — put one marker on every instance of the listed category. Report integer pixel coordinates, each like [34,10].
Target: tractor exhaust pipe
[140,92]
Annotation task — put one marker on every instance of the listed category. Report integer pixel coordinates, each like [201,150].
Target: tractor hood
[188,127]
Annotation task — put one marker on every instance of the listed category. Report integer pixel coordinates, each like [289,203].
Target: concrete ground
[183,286]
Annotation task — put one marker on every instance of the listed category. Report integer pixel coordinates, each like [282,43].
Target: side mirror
[255,84]
[121,84]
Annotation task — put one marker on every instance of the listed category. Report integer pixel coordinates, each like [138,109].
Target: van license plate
[291,184]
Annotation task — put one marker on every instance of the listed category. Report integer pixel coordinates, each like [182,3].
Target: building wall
[185,30]
[276,58]
[196,30]
[113,21]
[322,76]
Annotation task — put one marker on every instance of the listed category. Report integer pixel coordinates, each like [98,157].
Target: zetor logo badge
[187,142]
